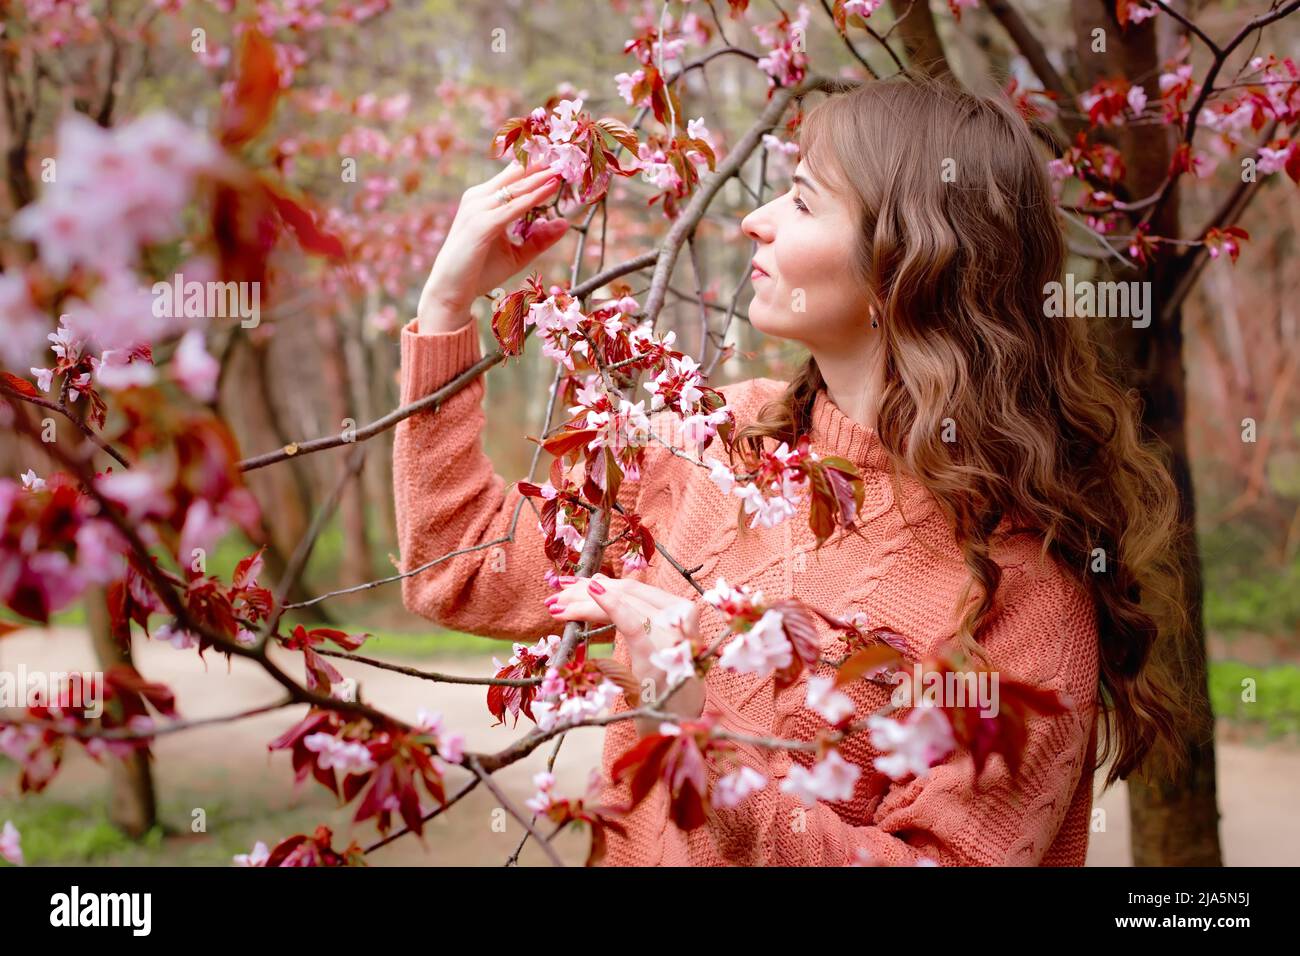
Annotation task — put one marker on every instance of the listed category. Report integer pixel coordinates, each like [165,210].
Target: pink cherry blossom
[542,800]
[44,378]
[696,129]
[721,475]
[1275,160]
[730,790]
[349,757]
[677,662]
[118,369]
[913,745]
[831,778]
[117,189]
[177,637]
[100,552]
[655,168]
[1137,99]
[761,649]
[194,369]
[733,601]
[627,82]
[140,491]
[202,529]
[551,684]
[576,707]
[119,315]
[863,8]
[32,481]
[11,844]
[24,325]
[767,512]
[832,704]
[258,857]
[1138,14]
[634,561]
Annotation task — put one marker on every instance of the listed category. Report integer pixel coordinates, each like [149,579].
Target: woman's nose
[756,226]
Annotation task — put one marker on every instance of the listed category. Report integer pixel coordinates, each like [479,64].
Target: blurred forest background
[327,352]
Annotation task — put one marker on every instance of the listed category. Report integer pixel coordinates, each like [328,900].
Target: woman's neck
[854,379]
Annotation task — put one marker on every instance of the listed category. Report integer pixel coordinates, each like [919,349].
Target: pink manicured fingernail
[555,609]
[595,588]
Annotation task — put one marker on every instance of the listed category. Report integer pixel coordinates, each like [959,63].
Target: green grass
[1276,691]
[1244,590]
[63,833]
[77,832]
[1265,603]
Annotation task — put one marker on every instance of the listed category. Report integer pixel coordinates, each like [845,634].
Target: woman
[1010,506]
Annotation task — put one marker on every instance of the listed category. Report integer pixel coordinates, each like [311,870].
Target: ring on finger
[503,196]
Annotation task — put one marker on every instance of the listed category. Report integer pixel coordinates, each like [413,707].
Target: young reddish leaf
[567,440]
[311,237]
[349,642]
[620,133]
[508,320]
[133,690]
[247,570]
[621,675]
[643,759]
[863,662]
[19,385]
[248,109]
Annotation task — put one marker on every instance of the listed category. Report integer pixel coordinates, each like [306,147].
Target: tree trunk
[1174,821]
[133,805]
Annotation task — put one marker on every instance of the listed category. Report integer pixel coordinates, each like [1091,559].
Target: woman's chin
[761,318]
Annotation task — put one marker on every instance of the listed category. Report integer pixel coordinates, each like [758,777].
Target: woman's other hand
[651,620]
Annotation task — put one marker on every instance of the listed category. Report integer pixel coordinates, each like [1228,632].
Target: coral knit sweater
[907,578]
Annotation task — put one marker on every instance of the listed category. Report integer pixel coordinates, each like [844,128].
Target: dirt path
[1259,786]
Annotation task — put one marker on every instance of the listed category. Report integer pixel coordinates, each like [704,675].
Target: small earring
[875,324]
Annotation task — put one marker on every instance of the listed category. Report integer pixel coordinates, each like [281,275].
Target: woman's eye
[799,204]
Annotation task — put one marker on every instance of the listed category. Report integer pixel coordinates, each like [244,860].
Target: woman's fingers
[646,626]
[518,185]
[512,172]
[527,196]
[657,597]
[574,603]
[648,617]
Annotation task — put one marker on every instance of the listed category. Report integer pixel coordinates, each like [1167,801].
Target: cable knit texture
[905,572]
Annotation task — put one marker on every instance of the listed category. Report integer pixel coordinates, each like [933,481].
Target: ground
[247,793]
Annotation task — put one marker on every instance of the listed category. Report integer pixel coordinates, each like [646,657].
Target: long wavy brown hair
[955,267]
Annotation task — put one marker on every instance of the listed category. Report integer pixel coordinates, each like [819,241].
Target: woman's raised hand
[477,256]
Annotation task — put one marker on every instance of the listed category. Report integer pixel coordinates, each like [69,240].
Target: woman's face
[805,279]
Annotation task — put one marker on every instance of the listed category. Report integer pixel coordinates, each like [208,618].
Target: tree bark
[1174,820]
[920,37]
[133,804]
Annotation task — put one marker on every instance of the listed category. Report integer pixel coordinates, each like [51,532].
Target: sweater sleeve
[449,499]
[946,817]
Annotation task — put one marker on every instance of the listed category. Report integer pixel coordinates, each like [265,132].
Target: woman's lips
[756,271]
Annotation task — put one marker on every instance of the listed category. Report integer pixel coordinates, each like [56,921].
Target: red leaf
[19,385]
[246,570]
[866,661]
[644,759]
[257,86]
[310,236]
[349,642]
